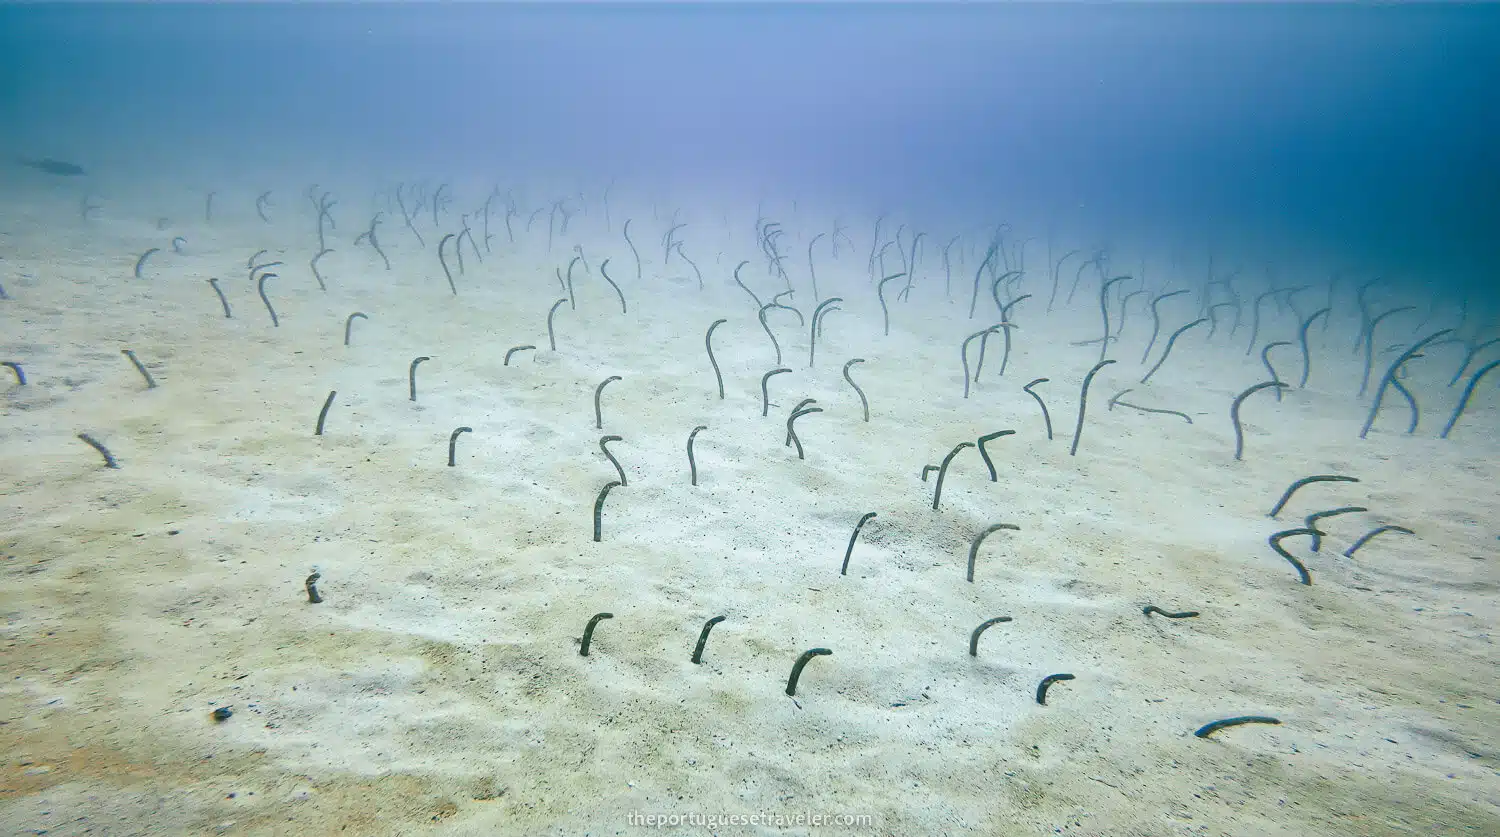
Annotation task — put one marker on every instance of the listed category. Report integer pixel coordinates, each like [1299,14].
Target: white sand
[439,688]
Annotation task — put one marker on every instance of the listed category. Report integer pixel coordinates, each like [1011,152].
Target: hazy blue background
[1370,129]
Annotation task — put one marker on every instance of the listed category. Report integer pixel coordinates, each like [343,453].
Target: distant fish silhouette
[51,166]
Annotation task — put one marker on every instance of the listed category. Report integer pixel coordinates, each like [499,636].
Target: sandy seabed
[439,687]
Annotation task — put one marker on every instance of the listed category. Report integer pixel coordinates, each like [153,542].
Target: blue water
[344,290]
[1362,130]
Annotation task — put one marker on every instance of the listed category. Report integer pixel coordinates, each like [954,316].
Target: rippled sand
[439,686]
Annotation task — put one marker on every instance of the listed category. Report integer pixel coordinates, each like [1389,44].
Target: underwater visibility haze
[749,418]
